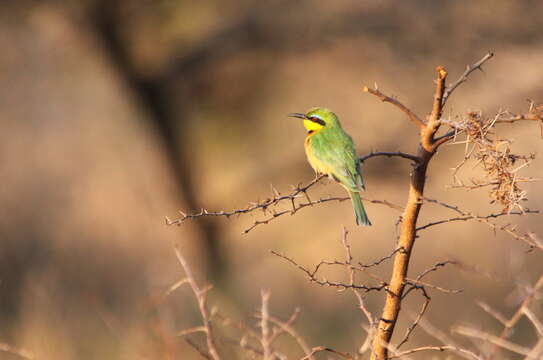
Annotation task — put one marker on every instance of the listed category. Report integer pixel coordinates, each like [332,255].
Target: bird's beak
[298,115]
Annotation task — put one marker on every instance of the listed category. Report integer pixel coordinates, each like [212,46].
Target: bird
[331,151]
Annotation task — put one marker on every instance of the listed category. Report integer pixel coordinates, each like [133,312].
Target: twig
[198,349]
[286,327]
[22,353]
[381,260]
[176,286]
[464,77]
[410,114]
[436,348]
[414,158]
[448,206]
[324,282]
[298,206]
[191,330]
[534,320]
[495,314]
[420,284]
[201,297]
[441,336]
[520,311]
[428,133]
[263,205]
[277,199]
[280,330]
[480,218]
[370,334]
[421,313]
[434,268]
[322,348]
[498,341]
[264,318]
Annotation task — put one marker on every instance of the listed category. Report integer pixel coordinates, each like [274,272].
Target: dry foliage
[495,156]
[502,178]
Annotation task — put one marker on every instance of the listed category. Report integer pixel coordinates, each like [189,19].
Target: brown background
[116,114]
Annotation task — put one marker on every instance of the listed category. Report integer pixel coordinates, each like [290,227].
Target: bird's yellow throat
[312,127]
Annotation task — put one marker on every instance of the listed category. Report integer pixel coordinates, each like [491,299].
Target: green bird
[330,150]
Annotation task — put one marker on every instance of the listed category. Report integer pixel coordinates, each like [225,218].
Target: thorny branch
[270,205]
[341,285]
[498,162]
[406,241]
[485,219]
[464,77]
[352,268]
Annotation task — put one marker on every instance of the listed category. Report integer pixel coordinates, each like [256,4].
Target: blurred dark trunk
[166,115]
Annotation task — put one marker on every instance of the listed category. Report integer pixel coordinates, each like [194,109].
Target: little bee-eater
[330,150]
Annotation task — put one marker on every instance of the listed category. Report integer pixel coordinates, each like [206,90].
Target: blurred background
[116,114]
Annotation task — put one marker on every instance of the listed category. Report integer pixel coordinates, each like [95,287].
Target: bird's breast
[312,157]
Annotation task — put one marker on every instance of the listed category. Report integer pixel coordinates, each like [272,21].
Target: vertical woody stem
[407,238]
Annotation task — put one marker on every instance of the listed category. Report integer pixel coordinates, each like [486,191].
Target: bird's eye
[317,120]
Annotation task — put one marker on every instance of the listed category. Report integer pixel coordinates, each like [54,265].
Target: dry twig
[269,205]
[201,297]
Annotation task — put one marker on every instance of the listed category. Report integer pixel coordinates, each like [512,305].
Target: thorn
[274,191]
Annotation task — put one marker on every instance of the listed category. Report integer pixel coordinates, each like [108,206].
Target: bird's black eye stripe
[317,120]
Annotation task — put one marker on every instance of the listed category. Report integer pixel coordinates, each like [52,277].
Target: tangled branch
[495,157]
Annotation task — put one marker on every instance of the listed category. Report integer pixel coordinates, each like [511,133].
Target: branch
[299,191]
[421,284]
[201,297]
[534,320]
[428,133]
[434,268]
[410,114]
[311,275]
[464,77]
[438,334]
[414,158]
[480,218]
[22,353]
[284,325]
[520,311]
[498,341]
[322,348]
[198,349]
[412,327]
[408,229]
[436,348]
[287,327]
[265,330]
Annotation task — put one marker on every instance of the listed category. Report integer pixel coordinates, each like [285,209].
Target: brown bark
[427,148]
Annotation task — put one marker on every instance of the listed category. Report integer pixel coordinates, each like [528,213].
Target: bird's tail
[360,213]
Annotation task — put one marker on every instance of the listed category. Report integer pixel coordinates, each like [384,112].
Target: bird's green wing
[336,149]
